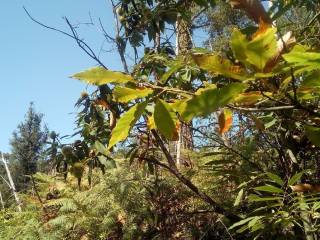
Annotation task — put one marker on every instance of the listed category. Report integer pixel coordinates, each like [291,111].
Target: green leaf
[217,65]
[124,94]
[300,57]
[179,106]
[209,100]
[125,123]
[275,178]
[270,123]
[239,44]
[295,178]
[316,206]
[239,198]
[269,188]
[249,98]
[313,133]
[175,66]
[100,147]
[258,51]
[255,198]
[242,222]
[312,80]
[99,76]
[254,221]
[166,120]
[108,163]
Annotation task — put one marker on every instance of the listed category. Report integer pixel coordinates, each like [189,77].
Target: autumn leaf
[225,121]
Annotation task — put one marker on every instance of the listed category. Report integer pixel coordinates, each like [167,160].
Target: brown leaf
[102,103]
[253,8]
[305,187]
[263,26]
[112,120]
[259,124]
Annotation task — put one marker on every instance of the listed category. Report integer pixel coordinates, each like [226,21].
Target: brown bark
[183,45]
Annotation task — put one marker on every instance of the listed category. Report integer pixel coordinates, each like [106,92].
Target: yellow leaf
[151,124]
[248,98]
[99,76]
[221,66]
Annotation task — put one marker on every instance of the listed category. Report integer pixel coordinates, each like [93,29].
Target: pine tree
[28,142]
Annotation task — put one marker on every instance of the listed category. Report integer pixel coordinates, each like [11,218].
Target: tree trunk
[16,197]
[1,200]
[183,44]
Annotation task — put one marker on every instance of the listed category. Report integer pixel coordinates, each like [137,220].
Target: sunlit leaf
[225,121]
[249,98]
[100,147]
[299,56]
[254,221]
[166,120]
[108,163]
[218,65]
[209,100]
[124,94]
[239,198]
[257,51]
[151,124]
[125,123]
[240,223]
[99,76]
[179,106]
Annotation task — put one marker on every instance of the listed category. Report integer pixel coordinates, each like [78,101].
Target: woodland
[211,139]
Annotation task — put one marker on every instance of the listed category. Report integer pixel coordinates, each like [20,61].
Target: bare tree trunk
[183,44]
[178,148]
[16,197]
[1,200]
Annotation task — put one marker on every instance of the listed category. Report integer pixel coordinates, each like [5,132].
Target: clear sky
[36,62]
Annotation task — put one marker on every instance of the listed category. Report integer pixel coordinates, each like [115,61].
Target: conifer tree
[27,143]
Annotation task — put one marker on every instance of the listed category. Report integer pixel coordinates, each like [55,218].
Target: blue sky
[36,62]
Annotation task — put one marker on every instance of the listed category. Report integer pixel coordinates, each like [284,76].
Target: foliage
[28,143]
[252,105]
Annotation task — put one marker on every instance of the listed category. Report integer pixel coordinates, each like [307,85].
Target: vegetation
[218,142]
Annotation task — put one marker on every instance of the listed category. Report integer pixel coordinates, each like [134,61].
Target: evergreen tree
[28,142]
